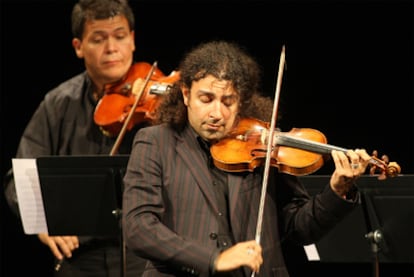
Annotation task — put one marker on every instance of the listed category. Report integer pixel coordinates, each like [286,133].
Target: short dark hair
[99,9]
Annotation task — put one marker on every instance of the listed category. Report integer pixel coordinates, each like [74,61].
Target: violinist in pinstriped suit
[189,218]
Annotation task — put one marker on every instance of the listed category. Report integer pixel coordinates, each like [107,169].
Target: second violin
[114,107]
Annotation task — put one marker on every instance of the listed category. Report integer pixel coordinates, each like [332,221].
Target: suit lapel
[235,183]
[190,151]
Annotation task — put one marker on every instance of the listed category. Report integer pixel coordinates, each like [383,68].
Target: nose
[111,44]
[216,110]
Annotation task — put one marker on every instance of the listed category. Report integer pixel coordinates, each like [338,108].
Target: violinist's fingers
[341,159]
[355,160]
[247,253]
[349,166]
[351,160]
[362,153]
[359,160]
[66,244]
[347,169]
[72,242]
[51,243]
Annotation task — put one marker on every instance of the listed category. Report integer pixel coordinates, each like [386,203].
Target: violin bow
[269,147]
[131,112]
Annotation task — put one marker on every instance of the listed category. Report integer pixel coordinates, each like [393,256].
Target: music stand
[381,230]
[82,195]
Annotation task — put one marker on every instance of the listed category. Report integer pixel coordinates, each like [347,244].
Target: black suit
[170,213]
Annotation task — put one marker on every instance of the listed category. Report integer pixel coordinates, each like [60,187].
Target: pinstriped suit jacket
[170,215]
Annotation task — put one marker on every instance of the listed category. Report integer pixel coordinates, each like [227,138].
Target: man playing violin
[103,36]
[189,218]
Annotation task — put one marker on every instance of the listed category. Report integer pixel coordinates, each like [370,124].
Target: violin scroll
[383,167]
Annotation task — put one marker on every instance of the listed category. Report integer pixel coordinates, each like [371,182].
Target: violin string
[312,146]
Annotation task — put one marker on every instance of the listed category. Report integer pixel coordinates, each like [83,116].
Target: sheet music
[29,196]
[312,252]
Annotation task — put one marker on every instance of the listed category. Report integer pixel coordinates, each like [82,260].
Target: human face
[212,106]
[107,48]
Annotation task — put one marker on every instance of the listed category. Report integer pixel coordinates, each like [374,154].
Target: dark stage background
[349,74]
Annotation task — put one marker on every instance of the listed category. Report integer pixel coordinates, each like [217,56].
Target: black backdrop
[349,74]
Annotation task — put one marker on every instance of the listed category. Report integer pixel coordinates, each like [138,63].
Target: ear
[186,94]
[77,45]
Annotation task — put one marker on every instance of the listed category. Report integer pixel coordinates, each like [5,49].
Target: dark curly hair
[225,61]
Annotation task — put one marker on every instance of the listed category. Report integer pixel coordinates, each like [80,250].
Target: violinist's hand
[348,167]
[61,246]
[247,253]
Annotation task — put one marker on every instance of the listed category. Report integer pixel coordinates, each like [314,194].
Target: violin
[301,151]
[119,98]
